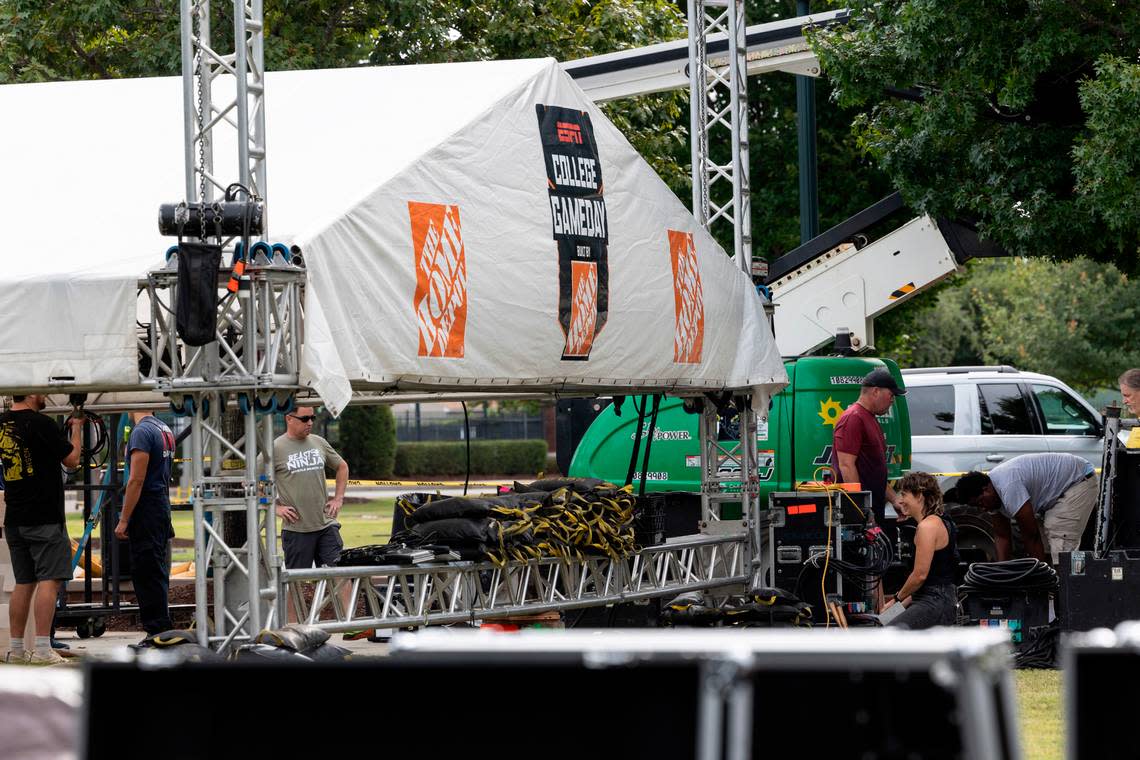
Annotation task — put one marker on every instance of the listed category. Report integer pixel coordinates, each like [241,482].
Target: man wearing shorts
[32,449]
[310,534]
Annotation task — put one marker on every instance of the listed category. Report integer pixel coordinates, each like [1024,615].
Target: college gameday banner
[578,220]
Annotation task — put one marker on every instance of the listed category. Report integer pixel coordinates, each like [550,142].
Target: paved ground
[105,646]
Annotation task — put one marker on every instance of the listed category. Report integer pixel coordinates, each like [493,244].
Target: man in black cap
[859,444]
[861,449]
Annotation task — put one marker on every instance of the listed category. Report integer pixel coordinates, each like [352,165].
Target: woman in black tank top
[928,594]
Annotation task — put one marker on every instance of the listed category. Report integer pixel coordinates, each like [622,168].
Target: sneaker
[11,658]
[51,658]
[57,644]
[358,635]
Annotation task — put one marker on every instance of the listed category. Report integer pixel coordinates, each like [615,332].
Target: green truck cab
[794,442]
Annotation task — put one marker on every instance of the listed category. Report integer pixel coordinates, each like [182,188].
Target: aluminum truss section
[468,592]
[245,113]
[252,366]
[258,336]
[718,102]
[730,475]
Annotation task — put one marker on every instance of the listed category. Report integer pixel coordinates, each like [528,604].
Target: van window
[931,409]
[1063,414]
[1004,411]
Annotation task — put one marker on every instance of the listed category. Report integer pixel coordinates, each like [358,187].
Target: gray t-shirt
[299,470]
[1040,479]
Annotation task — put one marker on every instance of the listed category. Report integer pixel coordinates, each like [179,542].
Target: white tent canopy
[466,227]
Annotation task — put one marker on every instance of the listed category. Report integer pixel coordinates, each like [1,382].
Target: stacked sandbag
[565,517]
[182,643]
[295,642]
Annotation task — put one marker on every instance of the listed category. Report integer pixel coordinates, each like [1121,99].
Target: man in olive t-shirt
[310,534]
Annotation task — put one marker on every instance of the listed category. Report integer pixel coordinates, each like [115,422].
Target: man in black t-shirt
[32,449]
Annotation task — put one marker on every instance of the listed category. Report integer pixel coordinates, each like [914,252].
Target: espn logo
[568,132]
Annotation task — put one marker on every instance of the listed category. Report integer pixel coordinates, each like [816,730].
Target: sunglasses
[304,418]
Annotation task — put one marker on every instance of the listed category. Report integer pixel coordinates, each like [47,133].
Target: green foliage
[848,180]
[520,457]
[1028,118]
[368,441]
[45,40]
[1076,320]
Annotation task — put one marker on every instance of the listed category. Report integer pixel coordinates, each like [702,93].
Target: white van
[975,418]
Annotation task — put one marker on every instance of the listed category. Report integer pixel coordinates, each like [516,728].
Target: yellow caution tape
[421,483]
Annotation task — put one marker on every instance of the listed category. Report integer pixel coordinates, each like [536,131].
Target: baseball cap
[881,378]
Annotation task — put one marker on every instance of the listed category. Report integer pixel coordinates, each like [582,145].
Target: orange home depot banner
[583,308]
[689,327]
[440,301]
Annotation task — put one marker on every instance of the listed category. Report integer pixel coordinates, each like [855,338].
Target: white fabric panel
[87,164]
[363,279]
[69,332]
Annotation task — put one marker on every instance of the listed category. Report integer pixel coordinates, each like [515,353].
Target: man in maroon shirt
[859,444]
[861,449]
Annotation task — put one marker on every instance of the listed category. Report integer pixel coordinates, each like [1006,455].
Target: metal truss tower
[718,103]
[202,65]
[231,386]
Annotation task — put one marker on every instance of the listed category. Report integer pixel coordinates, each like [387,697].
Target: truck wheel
[98,627]
[85,628]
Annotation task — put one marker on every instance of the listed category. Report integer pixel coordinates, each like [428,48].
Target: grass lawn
[361,524]
[1040,712]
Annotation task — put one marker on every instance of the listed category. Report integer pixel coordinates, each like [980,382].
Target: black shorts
[320,548]
[39,552]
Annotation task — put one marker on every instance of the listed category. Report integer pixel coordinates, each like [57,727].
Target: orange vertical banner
[688,299]
[583,308]
[440,300]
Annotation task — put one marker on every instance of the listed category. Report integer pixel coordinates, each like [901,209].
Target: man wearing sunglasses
[310,533]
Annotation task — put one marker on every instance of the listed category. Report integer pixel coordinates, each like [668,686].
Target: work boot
[35,658]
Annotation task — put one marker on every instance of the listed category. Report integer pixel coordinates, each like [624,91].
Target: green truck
[793,443]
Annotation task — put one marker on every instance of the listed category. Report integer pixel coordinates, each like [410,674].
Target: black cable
[636,439]
[467,437]
[649,443]
[100,445]
[1028,574]
[1042,651]
[865,575]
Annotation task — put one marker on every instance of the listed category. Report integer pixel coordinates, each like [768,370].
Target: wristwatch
[897,598]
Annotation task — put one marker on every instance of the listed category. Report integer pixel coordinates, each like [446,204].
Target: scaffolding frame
[718,102]
[253,366]
[471,592]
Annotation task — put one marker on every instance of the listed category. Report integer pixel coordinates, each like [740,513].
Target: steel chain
[203,117]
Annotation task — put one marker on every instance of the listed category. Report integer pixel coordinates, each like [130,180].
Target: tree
[46,40]
[848,180]
[1024,119]
[1077,320]
[368,441]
